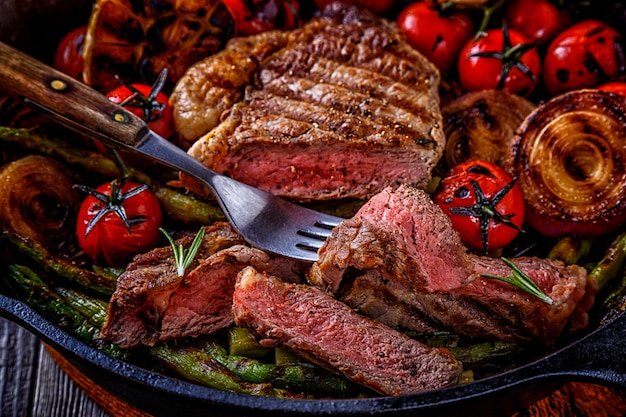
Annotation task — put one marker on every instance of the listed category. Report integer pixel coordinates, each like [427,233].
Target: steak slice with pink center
[400,241]
[325,331]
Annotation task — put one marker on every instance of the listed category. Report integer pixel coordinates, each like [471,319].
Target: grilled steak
[151,302]
[341,107]
[400,241]
[327,332]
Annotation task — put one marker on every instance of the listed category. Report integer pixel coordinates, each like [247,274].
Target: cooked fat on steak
[341,107]
[325,331]
[401,245]
[151,302]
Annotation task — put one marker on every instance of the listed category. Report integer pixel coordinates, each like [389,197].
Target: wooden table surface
[33,384]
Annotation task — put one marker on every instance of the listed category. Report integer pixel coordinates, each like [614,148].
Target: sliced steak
[151,302]
[401,241]
[316,326]
[341,107]
[203,302]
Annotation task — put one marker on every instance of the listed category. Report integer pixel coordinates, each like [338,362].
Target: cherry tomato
[68,57]
[617,87]
[118,220]
[540,20]
[585,55]
[256,16]
[438,34]
[484,203]
[147,102]
[503,59]
[377,6]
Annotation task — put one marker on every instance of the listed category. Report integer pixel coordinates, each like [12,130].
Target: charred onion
[38,201]
[478,125]
[569,156]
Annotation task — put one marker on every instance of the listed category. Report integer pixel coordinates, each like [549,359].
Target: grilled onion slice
[479,124]
[38,201]
[569,156]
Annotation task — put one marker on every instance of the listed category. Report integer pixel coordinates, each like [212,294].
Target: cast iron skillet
[598,357]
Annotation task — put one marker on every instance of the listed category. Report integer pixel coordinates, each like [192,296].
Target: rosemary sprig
[183,258]
[522,281]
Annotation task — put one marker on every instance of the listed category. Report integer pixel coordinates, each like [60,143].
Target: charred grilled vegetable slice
[38,201]
[479,124]
[136,40]
[569,156]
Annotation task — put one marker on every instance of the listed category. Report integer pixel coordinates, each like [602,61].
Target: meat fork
[264,220]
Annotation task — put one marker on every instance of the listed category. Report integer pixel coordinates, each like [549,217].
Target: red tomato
[483,202]
[438,35]
[104,235]
[504,59]
[540,20]
[147,102]
[256,16]
[617,87]
[68,57]
[377,6]
[585,55]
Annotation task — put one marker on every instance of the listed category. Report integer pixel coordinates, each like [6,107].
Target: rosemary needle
[522,281]
[183,258]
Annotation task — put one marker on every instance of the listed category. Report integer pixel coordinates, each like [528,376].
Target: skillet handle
[599,357]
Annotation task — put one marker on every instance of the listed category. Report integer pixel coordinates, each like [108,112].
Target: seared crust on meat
[341,107]
[310,322]
[402,242]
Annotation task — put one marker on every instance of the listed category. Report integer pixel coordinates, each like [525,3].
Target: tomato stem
[510,56]
[114,202]
[149,105]
[485,209]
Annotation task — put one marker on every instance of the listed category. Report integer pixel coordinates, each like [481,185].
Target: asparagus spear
[571,250]
[303,377]
[95,310]
[485,352]
[612,264]
[90,161]
[180,207]
[197,366]
[29,286]
[90,281]
[241,342]
[186,208]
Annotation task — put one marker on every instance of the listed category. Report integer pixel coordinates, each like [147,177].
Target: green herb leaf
[521,281]
[183,258]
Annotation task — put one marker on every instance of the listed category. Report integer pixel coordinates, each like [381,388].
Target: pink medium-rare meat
[151,302]
[313,324]
[144,288]
[341,107]
[401,241]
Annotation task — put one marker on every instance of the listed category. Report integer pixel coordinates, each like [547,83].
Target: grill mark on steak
[357,87]
[376,118]
[325,331]
[402,240]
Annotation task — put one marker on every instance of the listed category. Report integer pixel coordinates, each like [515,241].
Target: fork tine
[314,237]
